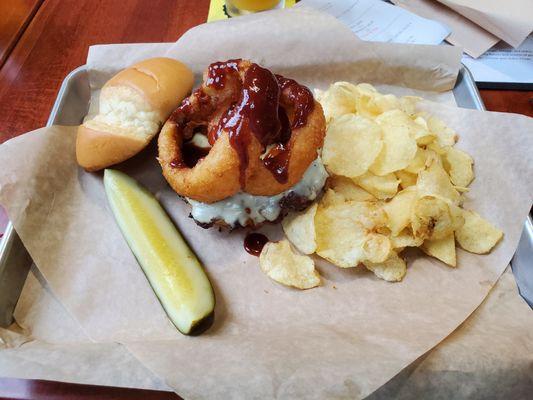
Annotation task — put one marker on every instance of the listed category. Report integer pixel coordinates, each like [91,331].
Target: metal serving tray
[69,109]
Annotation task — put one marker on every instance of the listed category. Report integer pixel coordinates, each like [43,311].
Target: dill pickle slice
[173,270]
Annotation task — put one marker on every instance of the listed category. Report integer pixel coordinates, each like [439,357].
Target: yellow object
[255,5]
[442,249]
[171,267]
[216,8]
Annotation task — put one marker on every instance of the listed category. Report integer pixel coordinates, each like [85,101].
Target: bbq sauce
[218,71]
[256,111]
[300,96]
[277,161]
[254,243]
[185,113]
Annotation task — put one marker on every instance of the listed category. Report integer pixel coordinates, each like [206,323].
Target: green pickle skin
[173,270]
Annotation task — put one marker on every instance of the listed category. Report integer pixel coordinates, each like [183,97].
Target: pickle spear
[174,272]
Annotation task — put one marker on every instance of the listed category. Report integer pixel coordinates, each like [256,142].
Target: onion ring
[265,131]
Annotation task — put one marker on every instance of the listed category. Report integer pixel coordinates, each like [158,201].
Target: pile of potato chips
[396,181]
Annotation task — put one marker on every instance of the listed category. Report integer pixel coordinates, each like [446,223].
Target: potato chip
[385,102]
[376,247]
[399,209]
[370,215]
[442,249]
[399,148]
[432,156]
[342,230]
[351,145]
[340,236]
[445,135]
[436,182]
[405,239]
[477,235]
[407,179]
[284,266]
[366,89]
[457,215]
[375,144]
[391,270]
[417,128]
[434,218]
[299,227]
[437,149]
[338,100]
[381,187]
[408,104]
[332,198]
[418,163]
[370,103]
[420,120]
[364,100]
[458,164]
[349,189]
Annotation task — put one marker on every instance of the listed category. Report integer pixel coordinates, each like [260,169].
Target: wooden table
[41,41]
[59,34]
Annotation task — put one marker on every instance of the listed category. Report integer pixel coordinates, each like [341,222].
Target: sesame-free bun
[132,108]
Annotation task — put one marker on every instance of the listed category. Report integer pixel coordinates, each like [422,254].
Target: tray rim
[9,233]
[61,98]
[464,75]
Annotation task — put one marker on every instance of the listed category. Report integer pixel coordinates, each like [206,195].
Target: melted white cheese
[234,209]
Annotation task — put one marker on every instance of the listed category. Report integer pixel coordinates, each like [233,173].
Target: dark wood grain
[15,16]
[57,39]
[513,101]
[54,43]
[25,389]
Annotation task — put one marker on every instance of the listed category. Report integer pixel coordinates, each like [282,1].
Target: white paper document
[503,64]
[377,21]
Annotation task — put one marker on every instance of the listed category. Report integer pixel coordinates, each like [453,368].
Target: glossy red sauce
[277,161]
[256,111]
[217,72]
[254,243]
[300,96]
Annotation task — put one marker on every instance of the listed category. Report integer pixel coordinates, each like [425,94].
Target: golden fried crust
[217,175]
[304,144]
[213,178]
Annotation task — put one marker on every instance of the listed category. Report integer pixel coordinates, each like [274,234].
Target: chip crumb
[299,227]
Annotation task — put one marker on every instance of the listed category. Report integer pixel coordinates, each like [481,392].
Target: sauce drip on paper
[254,243]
